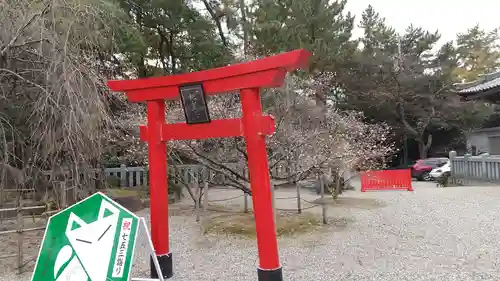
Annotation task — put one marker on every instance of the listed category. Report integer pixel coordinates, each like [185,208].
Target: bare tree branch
[23,27]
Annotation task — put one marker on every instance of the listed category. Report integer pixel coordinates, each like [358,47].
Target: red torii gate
[191,88]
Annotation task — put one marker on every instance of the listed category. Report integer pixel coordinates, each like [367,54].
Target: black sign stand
[194,104]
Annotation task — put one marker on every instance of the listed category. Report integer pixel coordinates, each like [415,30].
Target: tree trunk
[217,19]
[244,25]
[423,146]
[421,149]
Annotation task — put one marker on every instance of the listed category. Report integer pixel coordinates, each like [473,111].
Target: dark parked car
[408,165]
[423,167]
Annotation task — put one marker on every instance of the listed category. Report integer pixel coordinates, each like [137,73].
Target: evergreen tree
[179,37]
[378,36]
[392,79]
[478,53]
[320,26]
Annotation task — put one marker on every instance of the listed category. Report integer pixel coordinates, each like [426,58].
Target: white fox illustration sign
[93,240]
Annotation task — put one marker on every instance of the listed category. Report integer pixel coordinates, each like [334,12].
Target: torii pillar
[247,78]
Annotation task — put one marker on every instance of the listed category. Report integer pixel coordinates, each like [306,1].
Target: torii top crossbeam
[262,73]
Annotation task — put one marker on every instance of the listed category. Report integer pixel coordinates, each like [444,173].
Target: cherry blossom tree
[308,139]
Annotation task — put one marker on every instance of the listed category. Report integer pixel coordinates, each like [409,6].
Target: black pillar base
[166,267]
[270,275]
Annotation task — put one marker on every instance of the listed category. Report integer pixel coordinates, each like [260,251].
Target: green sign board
[93,240]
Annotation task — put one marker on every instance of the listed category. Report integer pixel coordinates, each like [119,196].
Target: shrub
[113,182]
[444,179]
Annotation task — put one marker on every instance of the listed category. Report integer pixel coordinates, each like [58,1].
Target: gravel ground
[430,234]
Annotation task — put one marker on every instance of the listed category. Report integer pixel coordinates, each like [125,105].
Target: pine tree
[393,79]
[179,37]
[378,36]
[478,53]
[321,26]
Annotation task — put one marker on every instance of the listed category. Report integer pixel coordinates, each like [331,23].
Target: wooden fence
[201,191]
[19,215]
[138,176]
[467,168]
